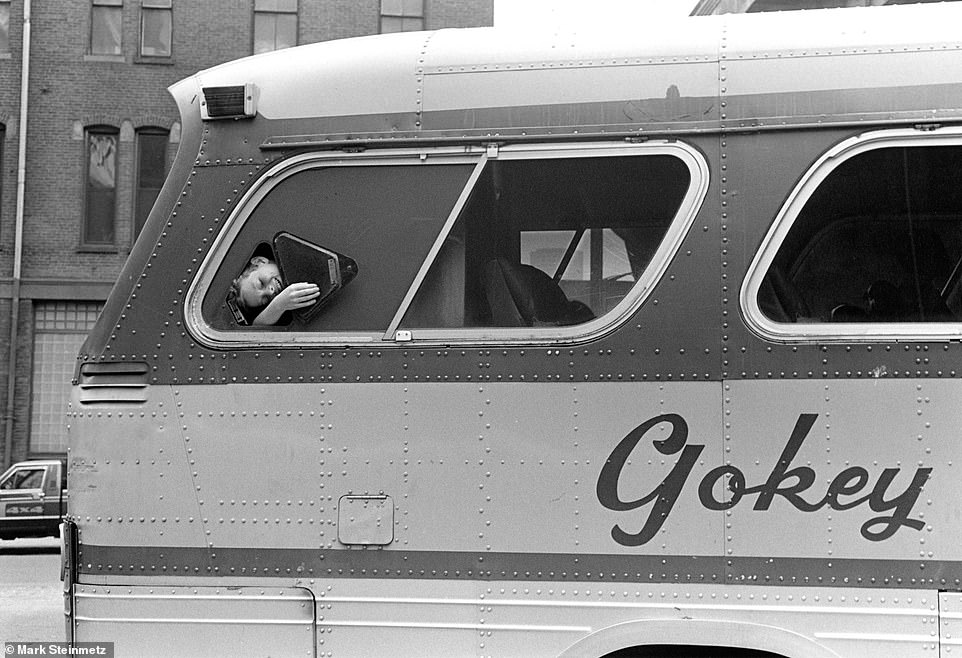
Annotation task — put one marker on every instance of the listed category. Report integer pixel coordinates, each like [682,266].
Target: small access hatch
[365,520]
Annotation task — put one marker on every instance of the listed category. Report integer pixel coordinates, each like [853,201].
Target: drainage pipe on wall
[18,239]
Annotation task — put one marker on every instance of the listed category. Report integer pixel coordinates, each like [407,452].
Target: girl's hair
[233,294]
[243,313]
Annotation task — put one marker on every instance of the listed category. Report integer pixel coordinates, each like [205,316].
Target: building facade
[98,131]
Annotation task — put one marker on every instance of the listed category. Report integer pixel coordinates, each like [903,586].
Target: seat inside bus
[523,296]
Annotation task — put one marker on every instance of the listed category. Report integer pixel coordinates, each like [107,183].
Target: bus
[642,342]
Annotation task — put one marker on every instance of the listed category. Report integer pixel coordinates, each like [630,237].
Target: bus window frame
[478,155]
[248,337]
[837,332]
[671,241]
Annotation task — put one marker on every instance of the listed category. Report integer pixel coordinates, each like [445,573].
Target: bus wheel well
[682,651]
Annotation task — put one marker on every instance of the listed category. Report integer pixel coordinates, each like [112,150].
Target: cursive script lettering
[791,483]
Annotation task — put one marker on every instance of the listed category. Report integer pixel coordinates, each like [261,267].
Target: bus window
[546,242]
[878,241]
[376,222]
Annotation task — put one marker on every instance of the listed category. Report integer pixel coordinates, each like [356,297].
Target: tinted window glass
[275,25]
[880,240]
[4,26]
[550,242]
[24,479]
[50,486]
[151,167]
[384,218]
[402,15]
[106,27]
[156,26]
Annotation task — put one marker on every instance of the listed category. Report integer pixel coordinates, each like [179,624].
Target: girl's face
[260,285]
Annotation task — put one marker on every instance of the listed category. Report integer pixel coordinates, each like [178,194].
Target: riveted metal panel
[269,464]
[857,444]
[950,624]
[305,446]
[558,618]
[197,621]
[572,82]
[541,470]
[146,459]
[839,66]
[360,76]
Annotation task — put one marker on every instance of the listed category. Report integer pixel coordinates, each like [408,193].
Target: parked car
[33,499]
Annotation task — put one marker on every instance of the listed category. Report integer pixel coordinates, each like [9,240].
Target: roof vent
[232,102]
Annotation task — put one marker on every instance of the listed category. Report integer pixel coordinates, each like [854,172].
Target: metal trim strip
[449,223]
[171,620]
[181,561]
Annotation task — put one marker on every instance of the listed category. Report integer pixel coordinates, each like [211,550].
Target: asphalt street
[31,594]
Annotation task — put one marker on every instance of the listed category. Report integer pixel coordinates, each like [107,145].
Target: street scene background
[31,595]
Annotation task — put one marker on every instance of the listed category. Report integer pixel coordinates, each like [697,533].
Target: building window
[101,186]
[151,168]
[106,27]
[4,26]
[156,25]
[275,25]
[60,329]
[402,15]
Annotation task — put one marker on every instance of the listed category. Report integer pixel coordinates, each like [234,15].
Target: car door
[22,494]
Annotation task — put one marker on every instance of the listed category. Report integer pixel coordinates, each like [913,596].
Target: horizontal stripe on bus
[561,567]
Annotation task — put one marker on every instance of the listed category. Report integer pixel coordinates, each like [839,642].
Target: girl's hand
[296,295]
[293,297]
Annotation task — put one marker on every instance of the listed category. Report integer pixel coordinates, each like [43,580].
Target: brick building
[100,131]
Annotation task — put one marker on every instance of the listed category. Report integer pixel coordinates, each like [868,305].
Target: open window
[287,261]
[373,221]
[456,245]
[870,246]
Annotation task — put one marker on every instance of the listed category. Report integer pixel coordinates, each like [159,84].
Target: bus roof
[875,64]
[708,7]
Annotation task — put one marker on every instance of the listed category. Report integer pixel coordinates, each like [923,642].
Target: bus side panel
[197,621]
[358,617]
[950,622]
[881,455]
[488,467]
[147,458]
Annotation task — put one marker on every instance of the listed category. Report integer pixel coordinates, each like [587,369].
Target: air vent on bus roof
[229,102]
